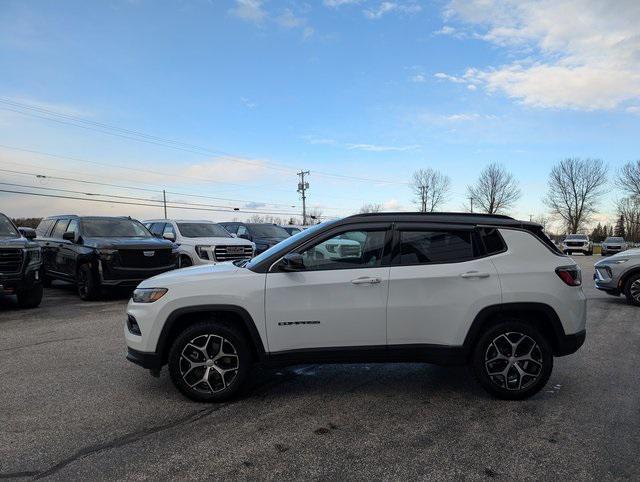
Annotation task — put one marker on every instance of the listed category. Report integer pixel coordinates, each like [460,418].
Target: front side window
[7,229]
[421,247]
[202,230]
[352,249]
[73,226]
[168,229]
[60,228]
[43,228]
[113,228]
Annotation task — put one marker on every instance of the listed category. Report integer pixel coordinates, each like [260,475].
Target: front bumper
[605,280]
[149,360]
[569,344]
[10,283]
[128,277]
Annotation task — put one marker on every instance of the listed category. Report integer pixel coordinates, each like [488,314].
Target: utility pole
[471,201]
[164,202]
[302,188]
[530,217]
[423,195]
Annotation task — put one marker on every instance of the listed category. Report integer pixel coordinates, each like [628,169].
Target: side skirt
[423,353]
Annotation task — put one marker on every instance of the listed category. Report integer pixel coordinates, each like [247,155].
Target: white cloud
[386,7]
[467,116]
[418,78]
[379,148]
[289,20]
[450,78]
[247,102]
[339,3]
[633,109]
[311,139]
[249,11]
[445,30]
[390,205]
[577,54]
[223,169]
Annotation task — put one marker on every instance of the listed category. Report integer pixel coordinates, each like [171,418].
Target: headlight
[201,251]
[148,295]
[106,253]
[32,256]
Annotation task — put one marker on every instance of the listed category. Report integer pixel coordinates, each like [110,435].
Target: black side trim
[249,324]
[525,309]
[571,343]
[425,353]
[150,360]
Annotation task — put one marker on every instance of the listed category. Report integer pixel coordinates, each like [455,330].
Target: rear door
[53,261]
[439,281]
[339,300]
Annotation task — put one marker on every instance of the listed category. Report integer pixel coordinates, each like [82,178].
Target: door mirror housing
[292,262]
[169,236]
[69,236]
[28,233]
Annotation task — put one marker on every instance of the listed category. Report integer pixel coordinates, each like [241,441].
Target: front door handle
[365,280]
[474,274]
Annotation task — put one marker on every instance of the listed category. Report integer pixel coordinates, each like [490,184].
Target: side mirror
[28,233]
[169,236]
[292,262]
[69,236]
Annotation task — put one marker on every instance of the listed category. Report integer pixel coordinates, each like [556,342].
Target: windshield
[203,230]
[577,236]
[113,228]
[283,246]
[7,229]
[268,231]
[614,240]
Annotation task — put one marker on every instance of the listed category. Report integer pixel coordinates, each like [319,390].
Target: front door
[338,300]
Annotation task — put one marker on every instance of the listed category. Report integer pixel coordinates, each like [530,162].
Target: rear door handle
[474,274]
[366,281]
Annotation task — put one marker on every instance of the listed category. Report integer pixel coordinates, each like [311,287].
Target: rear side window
[493,242]
[420,247]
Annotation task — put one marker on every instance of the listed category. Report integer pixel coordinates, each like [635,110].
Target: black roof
[443,218]
[75,216]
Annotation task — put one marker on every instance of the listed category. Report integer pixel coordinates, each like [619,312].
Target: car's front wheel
[512,360]
[209,361]
[87,283]
[185,261]
[30,298]
[632,290]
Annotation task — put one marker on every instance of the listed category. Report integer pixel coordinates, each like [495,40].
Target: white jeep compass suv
[488,291]
[201,242]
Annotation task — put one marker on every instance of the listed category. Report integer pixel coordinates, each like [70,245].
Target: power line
[140,136]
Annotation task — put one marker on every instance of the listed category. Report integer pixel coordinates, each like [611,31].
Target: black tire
[590,253]
[630,291]
[220,341]
[30,298]
[87,283]
[503,336]
[185,261]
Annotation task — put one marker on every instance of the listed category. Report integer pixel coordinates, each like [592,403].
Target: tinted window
[7,229]
[113,228]
[232,228]
[492,240]
[156,229]
[60,228]
[267,231]
[342,252]
[73,226]
[44,227]
[417,247]
[202,230]
[242,230]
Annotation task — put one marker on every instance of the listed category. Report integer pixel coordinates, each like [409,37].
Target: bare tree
[314,215]
[370,208]
[575,186]
[495,191]
[629,178]
[629,209]
[431,188]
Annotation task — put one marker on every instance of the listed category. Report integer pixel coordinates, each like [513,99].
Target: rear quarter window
[492,241]
[423,247]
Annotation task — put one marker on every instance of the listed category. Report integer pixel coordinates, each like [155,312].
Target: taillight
[571,275]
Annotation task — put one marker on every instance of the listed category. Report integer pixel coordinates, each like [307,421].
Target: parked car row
[580,243]
[104,252]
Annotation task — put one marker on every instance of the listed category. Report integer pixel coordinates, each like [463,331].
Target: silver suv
[620,274]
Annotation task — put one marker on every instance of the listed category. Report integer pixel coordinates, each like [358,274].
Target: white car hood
[191,274]
[216,241]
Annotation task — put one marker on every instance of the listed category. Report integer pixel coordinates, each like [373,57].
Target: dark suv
[19,265]
[101,251]
[264,235]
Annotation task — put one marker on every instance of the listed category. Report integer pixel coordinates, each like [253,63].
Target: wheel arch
[625,277]
[539,315]
[182,318]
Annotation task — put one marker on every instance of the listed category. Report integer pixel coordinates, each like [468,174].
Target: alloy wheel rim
[209,363]
[513,361]
[82,283]
[635,290]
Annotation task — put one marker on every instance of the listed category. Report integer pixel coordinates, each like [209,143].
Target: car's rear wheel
[632,290]
[512,360]
[209,361]
[30,298]
[87,283]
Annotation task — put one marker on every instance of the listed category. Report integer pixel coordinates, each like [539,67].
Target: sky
[229,99]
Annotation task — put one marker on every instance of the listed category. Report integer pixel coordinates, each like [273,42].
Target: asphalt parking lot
[72,407]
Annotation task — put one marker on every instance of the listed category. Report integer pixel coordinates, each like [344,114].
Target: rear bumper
[150,360]
[569,344]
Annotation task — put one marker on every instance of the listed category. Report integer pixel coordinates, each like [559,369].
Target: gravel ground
[72,407]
